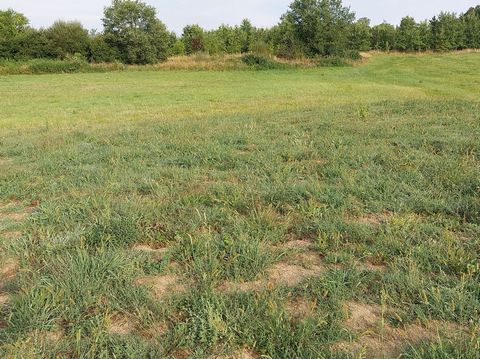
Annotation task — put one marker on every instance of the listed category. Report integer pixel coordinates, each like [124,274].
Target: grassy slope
[375,166]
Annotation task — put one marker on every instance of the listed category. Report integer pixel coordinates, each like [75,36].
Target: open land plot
[308,213]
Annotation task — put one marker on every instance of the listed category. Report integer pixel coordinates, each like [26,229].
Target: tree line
[133,34]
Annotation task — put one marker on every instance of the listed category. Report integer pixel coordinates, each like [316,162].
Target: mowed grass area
[320,213]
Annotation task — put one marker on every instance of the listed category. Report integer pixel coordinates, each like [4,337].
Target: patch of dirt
[362,317]
[240,354]
[4,161]
[292,274]
[162,286]
[53,336]
[278,274]
[378,339]
[301,308]
[229,287]
[9,205]
[154,331]
[11,235]
[157,253]
[373,219]
[297,244]
[4,299]
[9,269]
[302,266]
[181,353]
[19,215]
[120,325]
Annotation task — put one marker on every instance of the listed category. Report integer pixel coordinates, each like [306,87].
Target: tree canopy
[133,34]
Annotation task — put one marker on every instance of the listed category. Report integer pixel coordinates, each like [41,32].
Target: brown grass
[162,286]
[240,354]
[300,308]
[120,325]
[378,339]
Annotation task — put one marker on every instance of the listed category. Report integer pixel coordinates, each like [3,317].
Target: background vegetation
[133,34]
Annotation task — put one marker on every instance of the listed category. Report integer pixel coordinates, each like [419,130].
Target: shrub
[260,63]
[47,66]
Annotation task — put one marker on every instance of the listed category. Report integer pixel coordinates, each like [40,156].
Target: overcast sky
[212,13]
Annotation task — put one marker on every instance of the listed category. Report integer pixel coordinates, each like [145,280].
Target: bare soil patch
[297,244]
[53,336]
[378,339]
[373,219]
[162,286]
[11,235]
[279,274]
[8,270]
[301,308]
[154,331]
[121,325]
[4,299]
[240,354]
[292,274]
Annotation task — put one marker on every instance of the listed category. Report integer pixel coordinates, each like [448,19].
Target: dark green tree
[447,32]
[322,26]
[383,37]
[471,27]
[360,35]
[67,38]
[132,27]
[12,25]
[408,35]
[193,38]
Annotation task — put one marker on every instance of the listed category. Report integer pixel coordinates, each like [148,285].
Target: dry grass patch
[51,336]
[154,331]
[240,354]
[8,270]
[378,339]
[279,274]
[373,219]
[4,299]
[120,325]
[162,286]
[299,244]
[156,253]
[17,216]
[301,308]
[11,235]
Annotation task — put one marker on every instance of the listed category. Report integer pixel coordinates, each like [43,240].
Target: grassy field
[315,213]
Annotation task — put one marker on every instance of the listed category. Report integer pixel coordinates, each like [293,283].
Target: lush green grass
[375,167]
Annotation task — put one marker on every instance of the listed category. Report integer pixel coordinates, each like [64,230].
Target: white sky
[212,13]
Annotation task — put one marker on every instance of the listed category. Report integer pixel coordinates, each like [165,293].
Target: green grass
[375,166]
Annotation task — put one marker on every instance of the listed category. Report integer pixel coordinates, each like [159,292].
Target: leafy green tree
[67,38]
[471,27]
[12,24]
[408,35]
[100,50]
[193,38]
[322,26]
[447,32]
[247,31]
[231,39]
[360,35]
[285,42]
[132,27]
[383,37]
